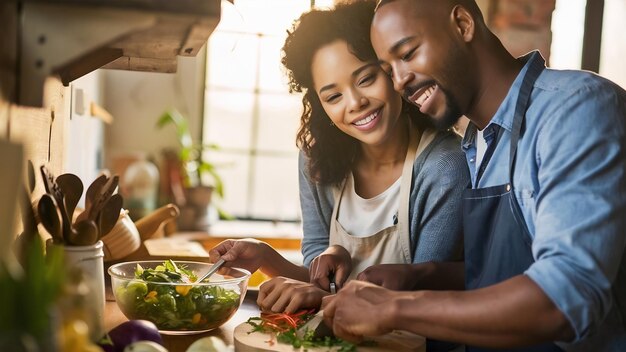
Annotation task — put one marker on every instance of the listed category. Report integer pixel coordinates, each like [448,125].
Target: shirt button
[471,160]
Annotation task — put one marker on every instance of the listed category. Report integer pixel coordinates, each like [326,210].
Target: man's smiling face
[419,47]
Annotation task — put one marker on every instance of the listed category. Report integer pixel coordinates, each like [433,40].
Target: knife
[317,325]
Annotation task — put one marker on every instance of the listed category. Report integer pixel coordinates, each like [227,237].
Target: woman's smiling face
[357,96]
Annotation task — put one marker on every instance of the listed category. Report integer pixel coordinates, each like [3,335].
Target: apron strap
[418,142]
[414,148]
[534,70]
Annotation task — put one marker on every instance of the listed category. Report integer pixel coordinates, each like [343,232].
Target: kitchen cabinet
[69,38]
[46,44]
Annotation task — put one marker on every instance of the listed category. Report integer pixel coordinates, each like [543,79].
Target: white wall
[84,145]
[137,100]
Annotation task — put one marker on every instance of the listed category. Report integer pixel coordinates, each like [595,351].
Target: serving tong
[99,217]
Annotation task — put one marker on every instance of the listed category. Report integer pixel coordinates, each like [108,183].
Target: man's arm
[510,314]
[411,277]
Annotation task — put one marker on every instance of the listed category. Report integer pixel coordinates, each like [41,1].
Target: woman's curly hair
[330,151]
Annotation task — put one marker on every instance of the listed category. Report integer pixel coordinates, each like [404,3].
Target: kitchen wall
[522,25]
[137,100]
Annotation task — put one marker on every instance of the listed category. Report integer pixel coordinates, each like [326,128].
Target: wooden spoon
[85,233]
[49,217]
[90,196]
[110,214]
[72,188]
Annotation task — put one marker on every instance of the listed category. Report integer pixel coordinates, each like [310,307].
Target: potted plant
[190,179]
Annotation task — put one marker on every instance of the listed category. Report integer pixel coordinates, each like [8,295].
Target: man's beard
[452,113]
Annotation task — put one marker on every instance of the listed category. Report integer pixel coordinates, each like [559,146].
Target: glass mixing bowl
[179,308]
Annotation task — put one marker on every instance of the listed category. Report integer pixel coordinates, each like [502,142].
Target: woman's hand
[247,253]
[282,294]
[333,261]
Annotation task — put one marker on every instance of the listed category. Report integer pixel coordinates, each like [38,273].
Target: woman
[377,184]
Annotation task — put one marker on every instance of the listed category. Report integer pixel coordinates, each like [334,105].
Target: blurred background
[233,98]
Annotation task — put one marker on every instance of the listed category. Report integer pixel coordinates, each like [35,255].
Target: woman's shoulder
[443,157]
[443,144]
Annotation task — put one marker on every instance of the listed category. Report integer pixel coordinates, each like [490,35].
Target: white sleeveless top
[362,217]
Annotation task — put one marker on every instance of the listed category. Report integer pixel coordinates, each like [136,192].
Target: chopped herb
[284,327]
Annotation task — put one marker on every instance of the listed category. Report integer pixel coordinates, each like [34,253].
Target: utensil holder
[89,259]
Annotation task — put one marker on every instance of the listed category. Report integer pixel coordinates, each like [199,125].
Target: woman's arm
[252,255]
[317,205]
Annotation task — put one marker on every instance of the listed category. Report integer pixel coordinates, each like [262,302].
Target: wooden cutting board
[397,341]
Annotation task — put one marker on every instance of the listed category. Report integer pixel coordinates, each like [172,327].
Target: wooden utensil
[72,188]
[110,214]
[85,233]
[92,192]
[105,193]
[70,235]
[53,190]
[149,224]
[49,217]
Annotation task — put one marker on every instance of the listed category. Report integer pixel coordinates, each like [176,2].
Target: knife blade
[317,325]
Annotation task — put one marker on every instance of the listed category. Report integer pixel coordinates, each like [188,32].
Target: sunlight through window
[249,112]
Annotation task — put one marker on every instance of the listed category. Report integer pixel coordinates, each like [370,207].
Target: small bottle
[141,182]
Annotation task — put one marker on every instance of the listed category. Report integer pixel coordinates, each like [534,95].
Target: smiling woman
[377,183]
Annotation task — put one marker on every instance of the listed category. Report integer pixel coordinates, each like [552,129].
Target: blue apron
[497,241]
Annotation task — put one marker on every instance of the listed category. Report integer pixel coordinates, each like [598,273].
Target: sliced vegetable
[285,325]
[210,344]
[145,346]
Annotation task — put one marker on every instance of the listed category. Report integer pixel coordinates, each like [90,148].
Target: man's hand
[359,309]
[333,261]
[247,253]
[281,294]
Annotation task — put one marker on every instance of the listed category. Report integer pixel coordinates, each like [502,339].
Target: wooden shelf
[71,38]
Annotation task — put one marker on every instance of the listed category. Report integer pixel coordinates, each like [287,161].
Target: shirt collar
[504,116]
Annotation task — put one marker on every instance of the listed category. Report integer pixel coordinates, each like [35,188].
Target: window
[613,48]
[568,25]
[249,112]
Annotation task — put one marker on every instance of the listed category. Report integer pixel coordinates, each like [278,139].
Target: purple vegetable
[133,331]
[106,344]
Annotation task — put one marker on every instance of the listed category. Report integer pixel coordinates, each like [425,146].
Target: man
[545,219]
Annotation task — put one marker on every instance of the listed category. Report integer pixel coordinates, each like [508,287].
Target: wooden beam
[87,63]
[195,7]
[143,64]
[592,39]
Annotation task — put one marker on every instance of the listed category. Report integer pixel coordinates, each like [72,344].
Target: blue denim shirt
[570,182]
